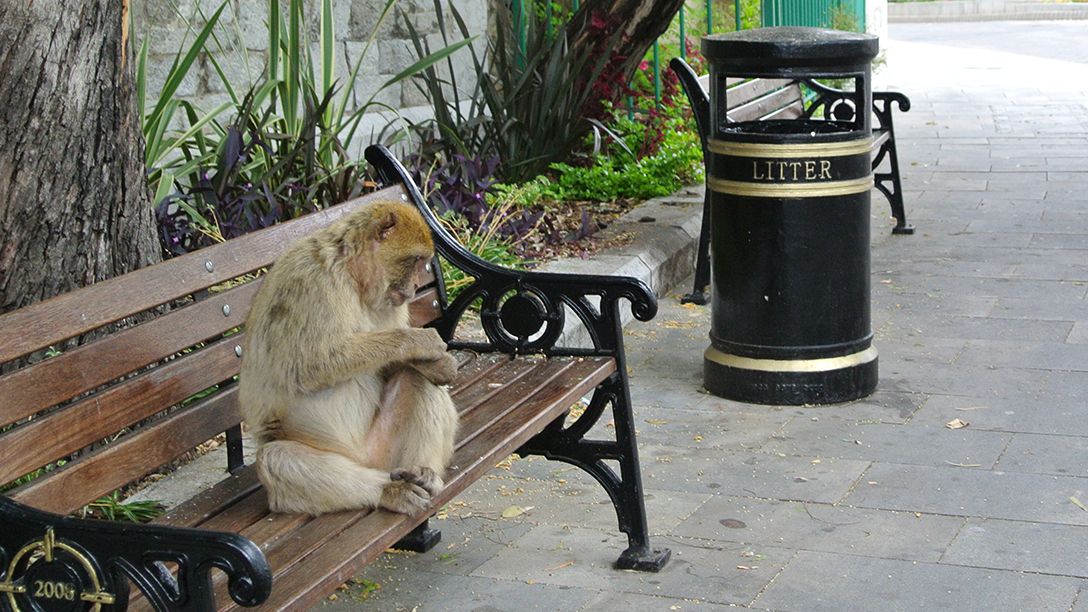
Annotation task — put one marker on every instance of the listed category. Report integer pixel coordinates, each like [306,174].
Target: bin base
[790,382]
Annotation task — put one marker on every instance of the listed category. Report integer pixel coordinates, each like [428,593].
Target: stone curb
[662,235]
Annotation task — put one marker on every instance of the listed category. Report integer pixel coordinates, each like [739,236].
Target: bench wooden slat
[477,419]
[223,494]
[487,388]
[304,583]
[71,487]
[87,421]
[751,89]
[241,515]
[91,365]
[793,111]
[55,320]
[765,105]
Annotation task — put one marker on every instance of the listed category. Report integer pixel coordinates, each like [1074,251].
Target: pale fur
[337,389]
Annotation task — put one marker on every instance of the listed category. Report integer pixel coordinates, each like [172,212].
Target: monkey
[345,399]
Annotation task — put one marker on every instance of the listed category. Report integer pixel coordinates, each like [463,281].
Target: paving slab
[414,589]
[972,492]
[823,527]
[846,437]
[817,581]
[581,558]
[1061,550]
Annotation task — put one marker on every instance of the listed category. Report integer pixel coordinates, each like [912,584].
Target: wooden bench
[765,99]
[138,396]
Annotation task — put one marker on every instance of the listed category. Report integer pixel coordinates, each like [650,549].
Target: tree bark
[641,21]
[74,207]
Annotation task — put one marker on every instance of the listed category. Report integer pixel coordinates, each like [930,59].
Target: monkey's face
[394,264]
[410,274]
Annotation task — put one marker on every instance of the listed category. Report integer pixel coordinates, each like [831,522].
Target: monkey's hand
[423,344]
[439,371]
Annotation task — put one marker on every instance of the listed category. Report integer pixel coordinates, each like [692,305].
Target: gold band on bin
[791,365]
[779,151]
[791,190]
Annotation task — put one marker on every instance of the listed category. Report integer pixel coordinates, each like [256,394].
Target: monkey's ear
[385,225]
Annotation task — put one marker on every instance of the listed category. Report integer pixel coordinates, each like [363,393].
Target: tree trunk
[74,207]
[641,21]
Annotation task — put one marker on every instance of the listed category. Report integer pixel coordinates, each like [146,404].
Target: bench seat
[502,402]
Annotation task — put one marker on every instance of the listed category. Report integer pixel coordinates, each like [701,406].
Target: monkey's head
[386,248]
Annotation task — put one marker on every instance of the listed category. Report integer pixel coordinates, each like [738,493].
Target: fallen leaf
[815,462]
[1079,503]
[957,424]
[513,511]
[697,438]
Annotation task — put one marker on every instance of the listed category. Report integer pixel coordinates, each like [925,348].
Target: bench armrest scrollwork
[523,312]
[49,556]
[838,104]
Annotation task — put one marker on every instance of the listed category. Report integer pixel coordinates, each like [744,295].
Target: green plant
[486,240]
[286,150]
[169,155]
[525,106]
[110,507]
[676,162]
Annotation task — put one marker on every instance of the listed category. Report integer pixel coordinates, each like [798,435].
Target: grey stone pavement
[873,505]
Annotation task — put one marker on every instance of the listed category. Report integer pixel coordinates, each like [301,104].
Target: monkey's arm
[332,363]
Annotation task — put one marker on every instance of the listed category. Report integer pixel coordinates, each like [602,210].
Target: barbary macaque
[344,398]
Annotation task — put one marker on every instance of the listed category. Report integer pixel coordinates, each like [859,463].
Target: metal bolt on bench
[789,225]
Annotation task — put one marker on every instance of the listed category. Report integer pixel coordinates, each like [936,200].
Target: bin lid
[790,50]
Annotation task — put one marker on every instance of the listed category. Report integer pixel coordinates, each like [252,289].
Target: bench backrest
[137,396]
[760,99]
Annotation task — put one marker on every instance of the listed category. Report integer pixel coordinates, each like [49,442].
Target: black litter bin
[790,225]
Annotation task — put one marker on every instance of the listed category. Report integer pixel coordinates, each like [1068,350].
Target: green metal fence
[844,14]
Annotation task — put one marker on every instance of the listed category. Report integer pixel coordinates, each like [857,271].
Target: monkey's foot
[404,497]
[422,476]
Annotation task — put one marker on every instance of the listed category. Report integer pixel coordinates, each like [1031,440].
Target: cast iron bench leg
[421,539]
[702,260]
[625,490]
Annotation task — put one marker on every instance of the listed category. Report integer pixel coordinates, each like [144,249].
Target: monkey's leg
[425,420]
[300,478]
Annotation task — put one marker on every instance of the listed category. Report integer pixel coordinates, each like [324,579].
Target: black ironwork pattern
[70,556]
[833,102]
[523,312]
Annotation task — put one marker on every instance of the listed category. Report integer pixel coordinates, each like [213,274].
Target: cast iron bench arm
[882,101]
[523,312]
[116,551]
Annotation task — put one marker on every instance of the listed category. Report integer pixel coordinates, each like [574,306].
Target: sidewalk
[874,505]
